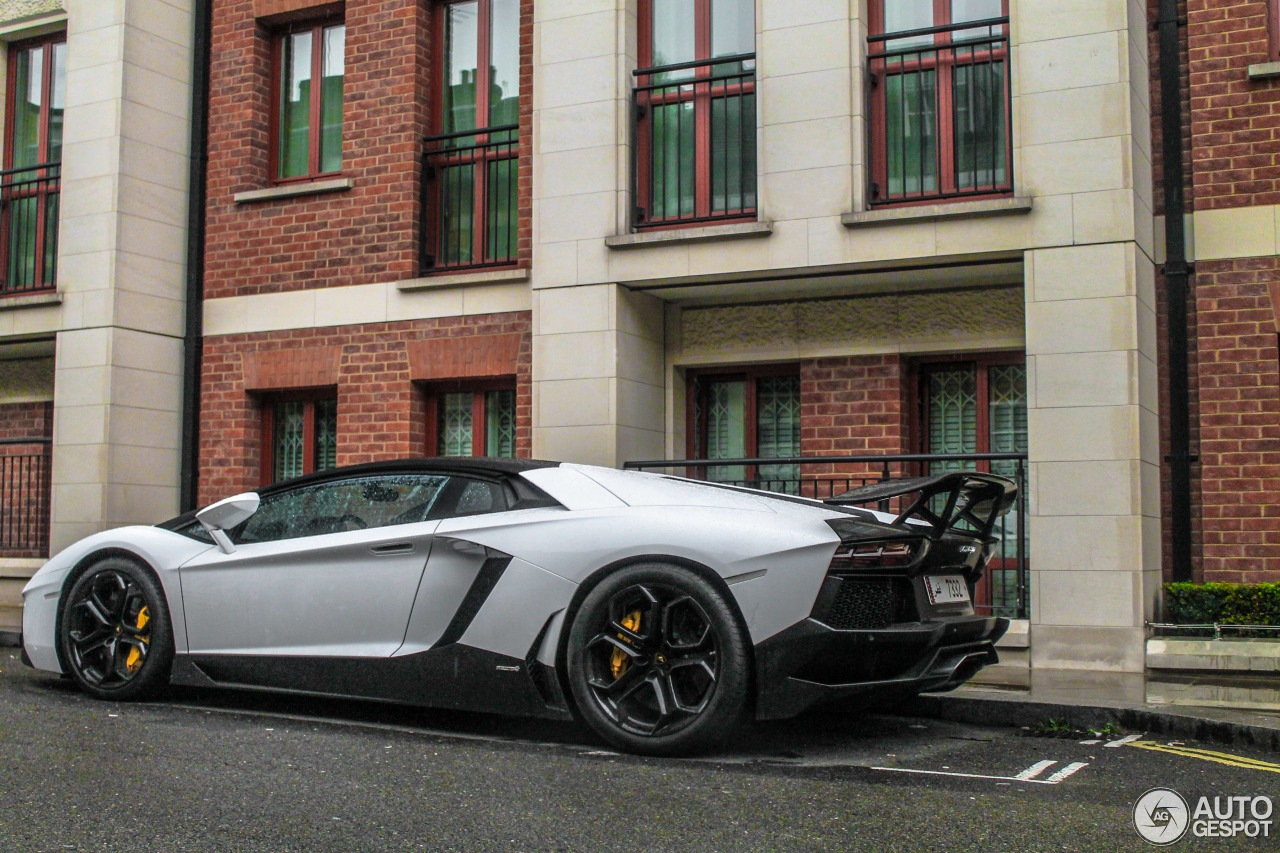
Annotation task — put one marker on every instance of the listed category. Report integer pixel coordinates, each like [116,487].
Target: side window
[343,505]
[308,73]
[469,496]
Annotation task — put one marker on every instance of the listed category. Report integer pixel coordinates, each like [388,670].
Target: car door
[324,569]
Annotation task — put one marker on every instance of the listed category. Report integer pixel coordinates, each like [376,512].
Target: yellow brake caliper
[618,660]
[134,660]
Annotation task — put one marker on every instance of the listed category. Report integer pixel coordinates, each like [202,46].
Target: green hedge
[1224,603]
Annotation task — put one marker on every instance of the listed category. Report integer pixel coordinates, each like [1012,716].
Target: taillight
[878,555]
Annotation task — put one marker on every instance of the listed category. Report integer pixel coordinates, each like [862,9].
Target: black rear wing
[973,499]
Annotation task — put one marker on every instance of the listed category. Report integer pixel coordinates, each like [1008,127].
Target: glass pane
[673,36]
[975,10]
[287,439]
[335,507]
[953,416]
[331,99]
[461,41]
[504,63]
[1007,415]
[500,424]
[326,434]
[295,105]
[59,102]
[500,227]
[455,421]
[23,215]
[911,133]
[778,431]
[733,27]
[457,210]
[49,275]
[28,96]
[733,153]
[900,15]
[979,125]
[727,428]
[673,152]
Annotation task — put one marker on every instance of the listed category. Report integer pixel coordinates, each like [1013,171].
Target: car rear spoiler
[973,498]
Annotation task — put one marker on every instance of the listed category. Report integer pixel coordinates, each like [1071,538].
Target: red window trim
[477,389]
[980,361]
[1273,29]
[266,473]
[945,129]
[42,194]
[278,35]
[702,99]
[749,373]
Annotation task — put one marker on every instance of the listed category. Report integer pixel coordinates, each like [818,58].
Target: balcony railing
[24,497]
[29,228]
[694,141]
[1003,590]
[470,189]
[940,107]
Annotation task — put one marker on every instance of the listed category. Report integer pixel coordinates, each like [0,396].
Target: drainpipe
[1177,273]
[193,340]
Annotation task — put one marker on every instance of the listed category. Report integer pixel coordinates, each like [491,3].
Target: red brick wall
[1235,121]
[24,480]
[381,409]
[1238,365]
[853,405]
[369,233]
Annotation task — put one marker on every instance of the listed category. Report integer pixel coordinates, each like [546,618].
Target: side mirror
[219,517]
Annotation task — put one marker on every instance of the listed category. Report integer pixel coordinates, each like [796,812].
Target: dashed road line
[1209,755]
[1122,741]
[1027,775]
[1067,771]
[1035,770]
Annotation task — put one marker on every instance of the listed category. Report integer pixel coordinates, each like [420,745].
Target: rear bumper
[809,663]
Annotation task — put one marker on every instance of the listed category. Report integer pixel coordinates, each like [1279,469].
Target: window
[940,96]
[475,423]
[300,436]
[471,163]
[308,128]
[341,506]
[752,413]
[695,112]
[31,179]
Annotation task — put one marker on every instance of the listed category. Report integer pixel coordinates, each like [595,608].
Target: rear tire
[658,661]
[114,634]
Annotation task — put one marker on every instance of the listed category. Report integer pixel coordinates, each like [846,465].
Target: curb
[10,638]
[1189,724]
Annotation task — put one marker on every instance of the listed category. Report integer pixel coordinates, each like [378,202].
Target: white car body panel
[517,609]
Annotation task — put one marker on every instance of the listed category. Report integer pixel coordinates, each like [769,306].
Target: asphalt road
[234,772]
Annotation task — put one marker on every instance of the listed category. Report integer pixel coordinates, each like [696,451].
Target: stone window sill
[699,234]
[1264,70]
[293,190]
[34,300]
[931,212]
[463,279]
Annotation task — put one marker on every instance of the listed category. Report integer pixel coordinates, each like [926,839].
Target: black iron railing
[940,112]
[29,228]
[24,497]
[1003,590]
[694,141]
[470,189]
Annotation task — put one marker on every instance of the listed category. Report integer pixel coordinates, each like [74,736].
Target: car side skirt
[454,676]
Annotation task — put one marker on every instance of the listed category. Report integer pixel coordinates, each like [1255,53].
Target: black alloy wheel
[114,633]
[658,661]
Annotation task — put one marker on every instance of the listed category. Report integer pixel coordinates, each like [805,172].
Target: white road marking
[1092,741]
[1035,770]
[1052,780]
[1067,771]
[1122,741]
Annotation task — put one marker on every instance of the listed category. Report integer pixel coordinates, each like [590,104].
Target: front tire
[658,661]
[114,635]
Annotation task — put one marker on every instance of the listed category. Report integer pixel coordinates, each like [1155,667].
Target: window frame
[317,27]
[703,97]
[944,123]
[44,190]
[309,399]
[981,362]
[478,389]
[695,431]
[485,150]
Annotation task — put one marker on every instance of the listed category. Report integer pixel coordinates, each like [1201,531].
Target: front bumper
[810,663]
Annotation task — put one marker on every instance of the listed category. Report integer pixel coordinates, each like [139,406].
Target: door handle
[393,548]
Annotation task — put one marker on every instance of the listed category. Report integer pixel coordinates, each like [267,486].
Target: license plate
[947,589]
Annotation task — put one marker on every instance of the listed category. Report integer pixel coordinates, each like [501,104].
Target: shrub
[1223,603]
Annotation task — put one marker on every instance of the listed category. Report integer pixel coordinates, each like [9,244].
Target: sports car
[661,612]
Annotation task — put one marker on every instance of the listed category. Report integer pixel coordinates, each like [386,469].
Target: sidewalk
[1093,700]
